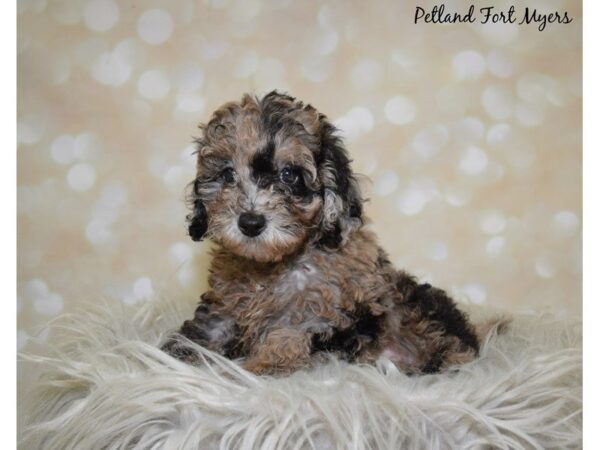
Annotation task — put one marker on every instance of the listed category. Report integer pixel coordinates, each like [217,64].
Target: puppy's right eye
[289,176]
[227,175]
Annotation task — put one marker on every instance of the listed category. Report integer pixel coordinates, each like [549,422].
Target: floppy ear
[342,199]
[198,219]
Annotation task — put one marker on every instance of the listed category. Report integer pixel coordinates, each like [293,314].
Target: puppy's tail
[490,328]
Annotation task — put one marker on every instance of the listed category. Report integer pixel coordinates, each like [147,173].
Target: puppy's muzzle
[251,224]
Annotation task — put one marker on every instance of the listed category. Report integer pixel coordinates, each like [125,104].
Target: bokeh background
[471,135]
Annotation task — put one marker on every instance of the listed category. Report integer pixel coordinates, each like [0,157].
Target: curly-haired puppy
[295,274]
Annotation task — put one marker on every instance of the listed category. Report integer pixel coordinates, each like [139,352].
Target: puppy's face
[272,176]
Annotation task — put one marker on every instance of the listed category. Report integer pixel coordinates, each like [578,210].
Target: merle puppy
[295,274]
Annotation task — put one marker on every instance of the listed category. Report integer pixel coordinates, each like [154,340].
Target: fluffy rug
[106,385]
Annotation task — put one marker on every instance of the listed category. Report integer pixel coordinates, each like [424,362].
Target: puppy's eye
[227,175]
[289,176]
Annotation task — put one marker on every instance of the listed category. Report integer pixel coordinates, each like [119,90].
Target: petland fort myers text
[439,14]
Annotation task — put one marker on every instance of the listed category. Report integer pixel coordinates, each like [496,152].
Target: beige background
[471,135]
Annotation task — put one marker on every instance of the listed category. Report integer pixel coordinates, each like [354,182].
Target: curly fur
[295,274]
[108,386]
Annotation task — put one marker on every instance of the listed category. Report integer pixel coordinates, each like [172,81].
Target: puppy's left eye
[290,176]
[228,175]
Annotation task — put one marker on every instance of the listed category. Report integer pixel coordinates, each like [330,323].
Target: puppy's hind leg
[428,333]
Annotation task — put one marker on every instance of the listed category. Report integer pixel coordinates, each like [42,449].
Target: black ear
[198,219]
[342,199]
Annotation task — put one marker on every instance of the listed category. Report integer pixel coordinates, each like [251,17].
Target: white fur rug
[107,386]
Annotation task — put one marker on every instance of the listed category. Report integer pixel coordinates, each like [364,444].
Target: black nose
[251,224]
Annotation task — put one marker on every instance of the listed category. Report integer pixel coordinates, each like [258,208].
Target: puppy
[295,275]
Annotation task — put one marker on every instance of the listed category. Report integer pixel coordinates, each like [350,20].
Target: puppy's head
[272,176]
